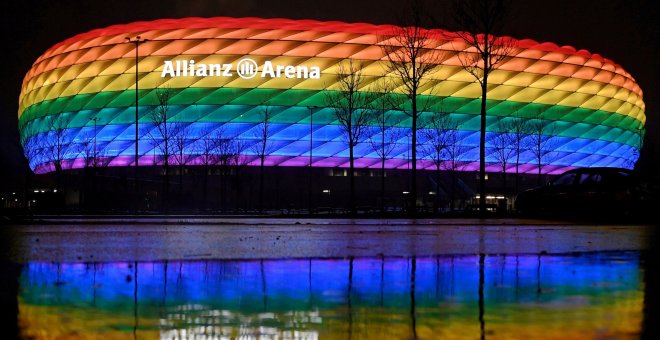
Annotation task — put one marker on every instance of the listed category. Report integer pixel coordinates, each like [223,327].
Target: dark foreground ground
[160,238]
[182,276]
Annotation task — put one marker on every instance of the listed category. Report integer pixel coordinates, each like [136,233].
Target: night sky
[624,31]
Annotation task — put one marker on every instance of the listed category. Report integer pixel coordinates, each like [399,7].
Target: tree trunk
[504,178]
[82,193]
[181,176]
[437,188]
[261,185]
[166,192]
[237,190]
[94,190]
[382,185]
[539,158]
[382,166]
[205,182]
[413,180]
[223,187]
[58,176]
[482,148]
[517,172]
[351,176]
[453,188]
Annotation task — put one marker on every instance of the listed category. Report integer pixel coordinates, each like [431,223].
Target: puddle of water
[526,296]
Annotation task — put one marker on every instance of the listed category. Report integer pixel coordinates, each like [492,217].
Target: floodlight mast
[311,130]
[137,41]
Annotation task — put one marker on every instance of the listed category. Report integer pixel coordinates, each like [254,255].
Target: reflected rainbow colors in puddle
[541,296]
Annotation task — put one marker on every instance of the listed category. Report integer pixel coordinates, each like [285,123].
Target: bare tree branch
[385,134]
[480,53]
[436,137]
[263,146]
[351,107]
[540,142]
[412,55]
[57,140]
[502,146]
[262,133]
[31,142]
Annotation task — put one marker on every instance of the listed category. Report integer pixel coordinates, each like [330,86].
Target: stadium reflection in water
[553,296]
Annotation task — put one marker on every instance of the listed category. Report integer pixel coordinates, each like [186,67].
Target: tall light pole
[311,130]
[94,119]
[137,40]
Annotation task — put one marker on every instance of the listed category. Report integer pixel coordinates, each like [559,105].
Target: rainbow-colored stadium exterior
[595,106]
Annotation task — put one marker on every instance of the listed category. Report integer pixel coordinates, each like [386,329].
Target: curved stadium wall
[82,91]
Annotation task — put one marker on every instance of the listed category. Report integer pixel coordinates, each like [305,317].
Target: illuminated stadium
[223,72]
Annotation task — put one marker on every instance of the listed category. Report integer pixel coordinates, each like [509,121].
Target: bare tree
[95,160]
[225,153]
[263,147]
[238,160]
[55,143]
[540,142]
[238,149]
[229,156]
[454,163]
[208,149]
[162,134]
[351,107]
[436,138]
[518,127]
[90,151]
[30,141]
[180,150]
[478,20]
[412,56]
[385,134]
[87,152]
[502,146]
[31,149]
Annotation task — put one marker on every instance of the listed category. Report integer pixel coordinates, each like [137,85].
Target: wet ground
[332,279]
[262,239]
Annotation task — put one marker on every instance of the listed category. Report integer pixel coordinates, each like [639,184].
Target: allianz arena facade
[87,83]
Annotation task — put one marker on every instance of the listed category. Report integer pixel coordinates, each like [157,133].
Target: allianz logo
[245,68]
